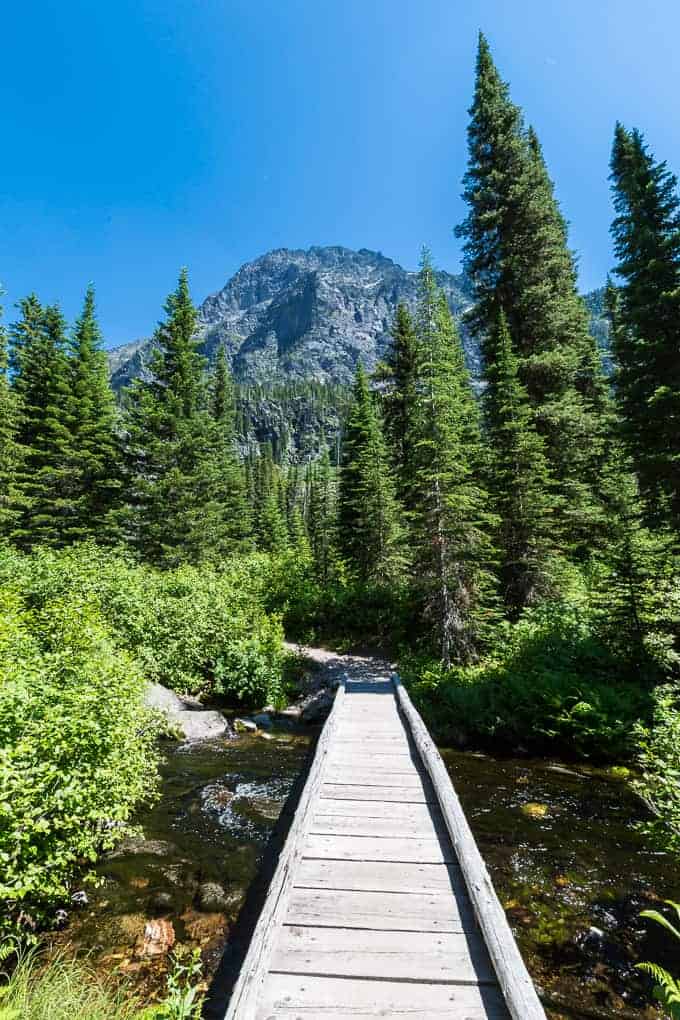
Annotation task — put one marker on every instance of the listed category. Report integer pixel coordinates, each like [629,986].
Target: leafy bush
[550,683]
[342,612]
[76,747]
[81,632]
[659,756]
[188,628]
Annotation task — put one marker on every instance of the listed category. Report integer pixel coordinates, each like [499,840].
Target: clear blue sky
[141,135]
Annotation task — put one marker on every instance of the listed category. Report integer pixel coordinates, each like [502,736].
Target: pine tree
[519,481]
[9,448]
[41,383]
[399,374]
[646,340]
[178,507]
[451,521]
[322,517]
[94,464]
[370,532]
[224,481]
[517,256]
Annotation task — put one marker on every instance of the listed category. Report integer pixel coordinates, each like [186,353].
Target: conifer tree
[41,383]
[646,338]
[399,374]
[451,521]
[322,516]
[178,510]
[94,467]
[517,256]
[9,448]
[370,532]
[224,481]
[519,481]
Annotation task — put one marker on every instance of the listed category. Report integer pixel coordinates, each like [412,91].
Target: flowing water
[559,841]
[183,880]
[573,873]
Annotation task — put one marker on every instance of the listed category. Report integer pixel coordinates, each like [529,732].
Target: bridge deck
[369,913]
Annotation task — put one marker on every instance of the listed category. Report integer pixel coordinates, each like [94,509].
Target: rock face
[307,315]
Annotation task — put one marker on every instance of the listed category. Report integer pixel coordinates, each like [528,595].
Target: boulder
[318,707]
[185,715]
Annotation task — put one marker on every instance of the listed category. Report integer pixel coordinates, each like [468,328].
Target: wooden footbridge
[381,905]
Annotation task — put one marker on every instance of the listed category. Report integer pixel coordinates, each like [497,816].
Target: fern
[667,988]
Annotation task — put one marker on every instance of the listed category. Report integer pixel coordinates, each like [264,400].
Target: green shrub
[187,628]
[549,684]
[659,757]
[76,747]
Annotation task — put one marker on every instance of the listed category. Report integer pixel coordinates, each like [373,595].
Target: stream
[559,841]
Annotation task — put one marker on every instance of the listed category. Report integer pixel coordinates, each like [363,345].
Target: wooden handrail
[513,977]
[243,1001]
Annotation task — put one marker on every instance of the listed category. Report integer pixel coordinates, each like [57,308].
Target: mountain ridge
[311,315]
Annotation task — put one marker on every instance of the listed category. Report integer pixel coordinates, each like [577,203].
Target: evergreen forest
[514,547]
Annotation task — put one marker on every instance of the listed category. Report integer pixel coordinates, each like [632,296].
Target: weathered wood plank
[373,763]
[516,985]
[380,876]
[428,850]
[423,956]
[295,997]
[401,795]
[378,809]
[343,775]
[377,911]
[343,825]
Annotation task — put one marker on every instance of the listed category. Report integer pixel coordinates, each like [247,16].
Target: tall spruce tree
[646,337]
[224,484]
[322,516]
[177,510]
[370,531]
[517,256]
[94,464]
[519,481]
[400,399]
[9,448]
[451,521]
[41,382]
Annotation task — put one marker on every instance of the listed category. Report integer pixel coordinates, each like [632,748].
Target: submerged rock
[212,898]
[245,726]
[158,938]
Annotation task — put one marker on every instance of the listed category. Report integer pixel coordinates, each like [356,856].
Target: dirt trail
[334,666]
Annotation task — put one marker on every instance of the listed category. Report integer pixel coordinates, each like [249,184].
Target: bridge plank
[339,952]
[399,794]
[377,911]
[380,876]
[348,825]
[423,850]
[295,997]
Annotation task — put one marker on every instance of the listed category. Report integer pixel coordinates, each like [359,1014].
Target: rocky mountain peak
[296,314]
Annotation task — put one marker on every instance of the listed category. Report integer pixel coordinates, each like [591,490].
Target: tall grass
[60,988]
